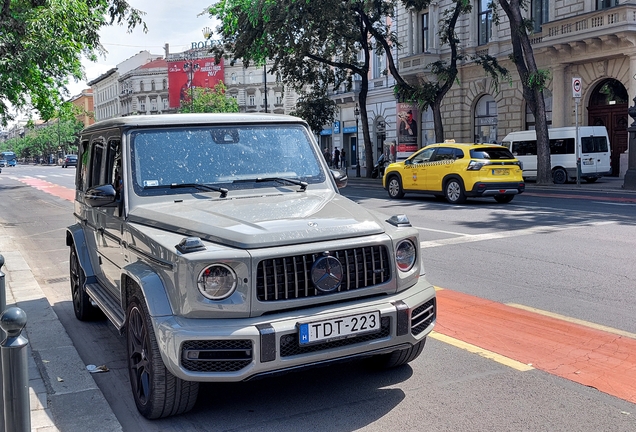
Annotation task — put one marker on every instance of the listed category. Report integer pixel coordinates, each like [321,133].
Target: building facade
[84,102]
[144,90]
[594,40]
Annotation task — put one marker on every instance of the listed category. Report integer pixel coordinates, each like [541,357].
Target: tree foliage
[60,134]
[533,80]
[41,47]
[208,100]
[316,108]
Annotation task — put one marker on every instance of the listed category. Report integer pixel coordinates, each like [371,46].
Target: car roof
[162,120]
[464,145]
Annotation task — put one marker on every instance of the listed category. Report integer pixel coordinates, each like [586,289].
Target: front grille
[216,355]
[290,346]
[422,316]
[289,278]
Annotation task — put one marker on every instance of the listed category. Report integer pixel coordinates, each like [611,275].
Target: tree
[533,79]
[207,100]
[41,46]
[308,42]
[316,108]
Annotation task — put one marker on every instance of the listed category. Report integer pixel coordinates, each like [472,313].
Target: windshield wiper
[198,186]
[302,184]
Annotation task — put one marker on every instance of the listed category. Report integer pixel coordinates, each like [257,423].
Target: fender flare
[75,238]
[151,286]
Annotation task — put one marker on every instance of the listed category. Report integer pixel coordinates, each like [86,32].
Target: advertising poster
[186,74]
[407,129]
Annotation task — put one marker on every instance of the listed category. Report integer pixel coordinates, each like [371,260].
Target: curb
[63,394]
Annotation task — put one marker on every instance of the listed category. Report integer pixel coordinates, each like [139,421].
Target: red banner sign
[185,75]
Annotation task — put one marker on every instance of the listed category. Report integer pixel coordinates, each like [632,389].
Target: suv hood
[262,221]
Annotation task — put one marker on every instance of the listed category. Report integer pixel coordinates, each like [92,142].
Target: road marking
[614,204]
[507,234]
[441,231]
[574,320]
[580,353]
[482,352]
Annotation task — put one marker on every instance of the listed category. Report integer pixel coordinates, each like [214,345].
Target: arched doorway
[486,120]
[608,107]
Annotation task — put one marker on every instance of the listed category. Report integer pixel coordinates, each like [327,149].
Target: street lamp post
[190,67]
[356,112]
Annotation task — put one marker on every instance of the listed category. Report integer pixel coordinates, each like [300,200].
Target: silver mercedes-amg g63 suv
[220,245]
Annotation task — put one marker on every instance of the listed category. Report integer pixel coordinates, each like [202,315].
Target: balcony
[599,30]
[416,64]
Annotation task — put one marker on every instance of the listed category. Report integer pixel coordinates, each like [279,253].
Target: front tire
[399,357]
[394,187]
[503,199]
[156,391]
[454,191]
[559,176]
[82,306]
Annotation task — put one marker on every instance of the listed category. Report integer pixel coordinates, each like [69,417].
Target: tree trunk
[437,120]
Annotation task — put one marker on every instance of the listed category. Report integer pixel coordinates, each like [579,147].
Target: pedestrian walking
[343,158]
[336,158]
[327,154]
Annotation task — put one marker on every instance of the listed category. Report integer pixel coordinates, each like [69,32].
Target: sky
[175,23]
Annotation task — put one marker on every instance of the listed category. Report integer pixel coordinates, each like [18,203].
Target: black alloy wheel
[559,176]
[156,391]
[82,306]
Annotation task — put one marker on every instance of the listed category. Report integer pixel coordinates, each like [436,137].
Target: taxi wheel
[454,191]
[559,176]
[394,187]
[156,391]
[504,198]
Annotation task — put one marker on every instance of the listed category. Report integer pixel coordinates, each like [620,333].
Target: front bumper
[226,350]
[481,189]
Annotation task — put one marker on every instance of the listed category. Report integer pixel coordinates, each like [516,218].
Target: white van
[593,143]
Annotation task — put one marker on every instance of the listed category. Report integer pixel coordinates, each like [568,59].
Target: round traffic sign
[576,85]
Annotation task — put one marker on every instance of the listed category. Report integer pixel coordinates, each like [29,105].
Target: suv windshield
[235,157]
[491,153]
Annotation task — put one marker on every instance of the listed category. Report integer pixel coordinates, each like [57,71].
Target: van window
[594,144]
[529,148]
[562,146]
[524,148]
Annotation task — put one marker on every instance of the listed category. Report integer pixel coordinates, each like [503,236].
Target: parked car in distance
[69,160]
[457,171]
[220,246]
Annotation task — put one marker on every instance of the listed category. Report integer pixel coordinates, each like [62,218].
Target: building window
[484,22]
[604,4]
[142,105]
[233,79]
[165,103]
[152,85]
[540,13]
[547,99]
[486,120]
[250,77]
[252,100]
[141,86]
[378,65]
[153,104]
[279,99]
[165,83]
[425,34]
[428,127]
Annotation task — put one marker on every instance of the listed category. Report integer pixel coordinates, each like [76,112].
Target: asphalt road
[548,251]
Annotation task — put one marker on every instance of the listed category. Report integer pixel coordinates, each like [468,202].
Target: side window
[524,148]
[114,170]
[562,146]
[459,153]
[444,153]
[423,156]
[82,165]
[96,169]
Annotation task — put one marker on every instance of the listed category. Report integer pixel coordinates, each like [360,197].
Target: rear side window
[491,153]
[594,144]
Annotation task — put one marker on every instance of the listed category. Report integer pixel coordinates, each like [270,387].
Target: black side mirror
[100,196]
[340,177]
[408,162]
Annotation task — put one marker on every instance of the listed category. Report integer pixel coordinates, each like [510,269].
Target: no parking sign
[577,87]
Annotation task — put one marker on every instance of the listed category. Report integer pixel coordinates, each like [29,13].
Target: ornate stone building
[594,40]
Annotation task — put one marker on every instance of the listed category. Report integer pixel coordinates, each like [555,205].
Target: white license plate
[500,171]
[588,162]
[339,328]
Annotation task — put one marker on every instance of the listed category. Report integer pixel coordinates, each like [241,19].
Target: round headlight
[217,282]
[405,255]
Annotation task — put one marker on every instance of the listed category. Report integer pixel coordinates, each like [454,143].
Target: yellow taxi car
[457,171]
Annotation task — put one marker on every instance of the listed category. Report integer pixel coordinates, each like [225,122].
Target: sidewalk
[63,394]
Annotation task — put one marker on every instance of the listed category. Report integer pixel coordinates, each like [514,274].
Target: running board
[107,304]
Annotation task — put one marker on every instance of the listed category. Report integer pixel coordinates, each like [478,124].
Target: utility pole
[265,81]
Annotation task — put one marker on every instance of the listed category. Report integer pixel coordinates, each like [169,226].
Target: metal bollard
[15,371]
[3,306]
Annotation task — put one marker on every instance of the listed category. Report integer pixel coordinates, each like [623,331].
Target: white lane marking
[614,204]
[507,234]
[441,231]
